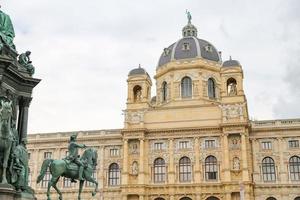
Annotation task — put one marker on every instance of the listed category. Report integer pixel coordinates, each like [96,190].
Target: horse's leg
[5,160]
[80,189]
[57,190]
[91,179]
[48,189]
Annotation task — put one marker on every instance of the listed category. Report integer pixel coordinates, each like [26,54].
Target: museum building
[192,141]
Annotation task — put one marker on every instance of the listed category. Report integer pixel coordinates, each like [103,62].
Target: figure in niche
[135,168]
[137,90]
[236,163]
[134,147]
[231,87]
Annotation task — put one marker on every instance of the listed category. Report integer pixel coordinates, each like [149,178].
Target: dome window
[186,46]
[166,52]
[208,48]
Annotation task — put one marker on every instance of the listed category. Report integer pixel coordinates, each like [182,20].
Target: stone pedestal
[8,192]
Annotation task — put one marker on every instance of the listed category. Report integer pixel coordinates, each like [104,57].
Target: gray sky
[83,51]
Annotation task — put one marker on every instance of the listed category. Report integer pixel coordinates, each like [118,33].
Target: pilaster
[125,163]
[141,167]
[227,176]
[171,173]
[197,160]
[244,157]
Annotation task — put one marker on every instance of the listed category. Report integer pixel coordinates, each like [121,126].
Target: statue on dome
[7,32]
[189,16]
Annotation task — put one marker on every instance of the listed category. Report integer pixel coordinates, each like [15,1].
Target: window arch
[164,91]
[294,165]
[186,87]
[268,169]
[211,169]
[114,174]
[212,198]
[137,93]
[297,198]
[271,198]
[185,198]
[185,170]
[159,198]
[231,87]
[211,86]
[159,170]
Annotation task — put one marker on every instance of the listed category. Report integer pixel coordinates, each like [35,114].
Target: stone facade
[192,141]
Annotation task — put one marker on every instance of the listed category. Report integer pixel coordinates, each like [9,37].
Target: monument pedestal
[8,192]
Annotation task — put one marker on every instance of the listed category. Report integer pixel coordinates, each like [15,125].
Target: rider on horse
[73,155]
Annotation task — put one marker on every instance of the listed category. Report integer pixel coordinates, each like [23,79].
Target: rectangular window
[67,183]
[114,152]
[294,144]
[183,144]
[158,145]
[266,145]
[47,155]
[46,179]
[210,144]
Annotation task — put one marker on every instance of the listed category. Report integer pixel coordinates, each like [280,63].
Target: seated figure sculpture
[24,61]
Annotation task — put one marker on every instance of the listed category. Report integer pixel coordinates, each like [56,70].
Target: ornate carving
[231,111]
[134,117]
[135,168]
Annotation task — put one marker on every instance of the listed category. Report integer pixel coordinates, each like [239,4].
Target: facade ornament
[25,62]
[231,111]
[232,91]
[134,117]
[135,168]
[236,163]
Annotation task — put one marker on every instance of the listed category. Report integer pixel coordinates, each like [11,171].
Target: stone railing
[275,123]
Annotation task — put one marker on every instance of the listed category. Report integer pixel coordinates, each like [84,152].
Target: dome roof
[189,47]
[231,63]
[137,71]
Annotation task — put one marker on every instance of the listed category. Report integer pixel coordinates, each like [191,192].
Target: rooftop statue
[189,16]
[73,167]
[7,32]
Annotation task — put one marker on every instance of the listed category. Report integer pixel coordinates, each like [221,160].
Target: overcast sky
[83,51]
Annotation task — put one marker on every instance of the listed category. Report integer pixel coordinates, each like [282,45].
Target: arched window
[114,174]
[164,91]
[137,93]
[295,168]
[271,198]
[185,198]
[185,170]
[159,170]
[212,198]
[186,87]
[211,169]
[231,87]
[211,86]
[268,169]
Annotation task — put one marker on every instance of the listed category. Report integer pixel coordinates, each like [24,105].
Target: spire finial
[139,65]
[230,58]
[189,16]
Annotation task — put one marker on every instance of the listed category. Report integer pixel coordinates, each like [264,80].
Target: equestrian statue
[73,167]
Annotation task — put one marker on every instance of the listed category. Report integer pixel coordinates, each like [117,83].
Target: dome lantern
[189,29]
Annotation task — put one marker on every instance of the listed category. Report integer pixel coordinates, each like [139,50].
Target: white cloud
[83,51]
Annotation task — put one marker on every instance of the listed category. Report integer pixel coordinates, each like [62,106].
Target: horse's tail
[44,168]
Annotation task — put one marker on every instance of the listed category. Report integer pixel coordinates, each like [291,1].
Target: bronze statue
[7,32]
[70,168]
[24,60]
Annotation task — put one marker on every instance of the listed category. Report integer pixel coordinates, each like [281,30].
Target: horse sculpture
[70,170]
[6,135]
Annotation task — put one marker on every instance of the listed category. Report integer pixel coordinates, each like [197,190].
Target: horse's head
[90,155]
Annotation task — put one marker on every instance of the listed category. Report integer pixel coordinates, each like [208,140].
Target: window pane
[159,170]
[268,169]
[186,87]
[114,175]
[211,169]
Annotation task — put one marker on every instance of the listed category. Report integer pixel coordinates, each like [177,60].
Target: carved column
[282,169]
[125,162]
[171,173]
[197,160]
[141,167]
[23,117]
[226,159]
[244,157]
